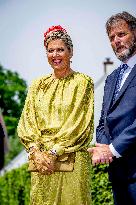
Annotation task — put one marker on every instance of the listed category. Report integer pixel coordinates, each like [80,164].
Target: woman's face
[58,55]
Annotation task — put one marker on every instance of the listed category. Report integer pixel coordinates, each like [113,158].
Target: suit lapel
[126,83]
[111,88]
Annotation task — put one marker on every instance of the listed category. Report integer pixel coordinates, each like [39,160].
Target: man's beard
[126,54]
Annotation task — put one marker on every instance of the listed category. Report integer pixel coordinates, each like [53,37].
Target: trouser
[124,193]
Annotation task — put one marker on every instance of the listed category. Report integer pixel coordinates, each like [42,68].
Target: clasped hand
[43,161]
[101,154]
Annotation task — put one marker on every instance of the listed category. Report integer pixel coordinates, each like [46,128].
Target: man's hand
[100,154]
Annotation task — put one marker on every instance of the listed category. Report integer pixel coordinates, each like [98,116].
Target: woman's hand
[42,160]
[43,163]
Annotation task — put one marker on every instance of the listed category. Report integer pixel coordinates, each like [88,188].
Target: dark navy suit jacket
[117,125]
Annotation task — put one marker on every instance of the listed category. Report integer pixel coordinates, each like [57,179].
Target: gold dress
[58,114]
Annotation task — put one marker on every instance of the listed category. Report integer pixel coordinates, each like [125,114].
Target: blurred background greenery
[12,97]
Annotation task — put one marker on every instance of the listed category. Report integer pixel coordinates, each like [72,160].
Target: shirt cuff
[114,152]
[59,150]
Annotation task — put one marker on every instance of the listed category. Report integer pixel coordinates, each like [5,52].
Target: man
[116,132]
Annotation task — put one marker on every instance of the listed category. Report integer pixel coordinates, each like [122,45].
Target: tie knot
[124,67]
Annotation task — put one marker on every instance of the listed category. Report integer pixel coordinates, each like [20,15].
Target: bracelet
[53,152]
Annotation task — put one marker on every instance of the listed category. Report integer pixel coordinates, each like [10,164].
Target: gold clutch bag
[63,163]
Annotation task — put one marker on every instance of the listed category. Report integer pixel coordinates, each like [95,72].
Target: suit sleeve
[126,141]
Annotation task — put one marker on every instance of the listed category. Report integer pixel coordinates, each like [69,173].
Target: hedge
[100,186]
[15,187]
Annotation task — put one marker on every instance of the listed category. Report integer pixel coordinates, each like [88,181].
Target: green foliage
[12,97]
[11,124]
[12,93]
[101,187]
[15,187]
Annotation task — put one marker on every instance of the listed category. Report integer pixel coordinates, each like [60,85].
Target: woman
[56,127]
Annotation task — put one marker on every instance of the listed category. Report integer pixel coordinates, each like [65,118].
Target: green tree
[12,97]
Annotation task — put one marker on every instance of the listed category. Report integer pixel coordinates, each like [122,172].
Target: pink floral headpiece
[53,28]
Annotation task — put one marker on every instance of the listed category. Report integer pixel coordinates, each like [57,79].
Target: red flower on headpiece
[54,28]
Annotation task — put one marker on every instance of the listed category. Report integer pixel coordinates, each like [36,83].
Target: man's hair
[128,18]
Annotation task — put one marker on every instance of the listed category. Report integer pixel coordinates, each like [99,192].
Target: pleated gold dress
[58,114]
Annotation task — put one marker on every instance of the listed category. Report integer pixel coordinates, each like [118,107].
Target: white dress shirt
[131,62]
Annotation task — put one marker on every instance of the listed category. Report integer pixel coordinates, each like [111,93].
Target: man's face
[123,40]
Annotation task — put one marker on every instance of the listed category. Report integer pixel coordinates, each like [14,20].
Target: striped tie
[118,84]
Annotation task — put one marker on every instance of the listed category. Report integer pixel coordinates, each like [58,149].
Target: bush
[15,187]
[101,187]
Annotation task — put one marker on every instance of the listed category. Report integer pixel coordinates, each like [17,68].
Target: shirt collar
[131,62]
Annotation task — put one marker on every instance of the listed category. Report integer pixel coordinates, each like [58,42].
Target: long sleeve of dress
[27,129]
